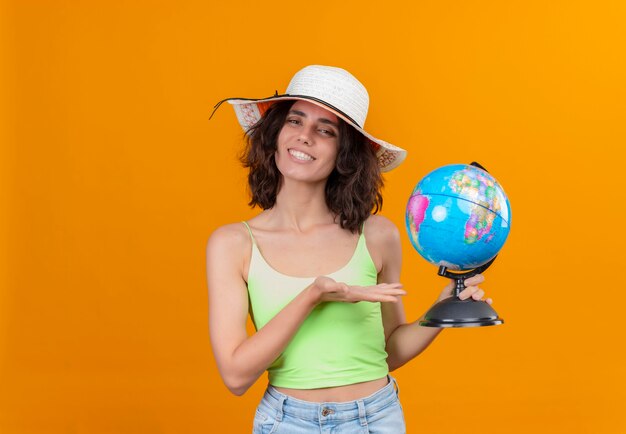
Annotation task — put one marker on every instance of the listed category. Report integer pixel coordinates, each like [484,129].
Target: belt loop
[279,410]
[362,417]
[395,385]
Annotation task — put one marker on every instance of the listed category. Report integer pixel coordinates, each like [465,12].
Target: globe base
[454,312]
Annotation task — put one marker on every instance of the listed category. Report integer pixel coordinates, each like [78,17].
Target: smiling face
[308,143]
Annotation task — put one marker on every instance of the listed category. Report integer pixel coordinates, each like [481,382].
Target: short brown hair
[353,189]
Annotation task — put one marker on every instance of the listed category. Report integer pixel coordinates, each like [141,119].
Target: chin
[303,173]
[300,176]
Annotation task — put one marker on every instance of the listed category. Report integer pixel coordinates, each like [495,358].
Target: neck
[302,205]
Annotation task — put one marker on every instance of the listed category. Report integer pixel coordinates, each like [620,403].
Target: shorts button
[327,411]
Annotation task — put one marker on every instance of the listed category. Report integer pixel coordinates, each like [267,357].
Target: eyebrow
[321,120]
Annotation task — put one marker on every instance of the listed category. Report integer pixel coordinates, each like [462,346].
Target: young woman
[317,272]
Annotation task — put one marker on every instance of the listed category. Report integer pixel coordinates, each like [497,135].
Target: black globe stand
[454,312]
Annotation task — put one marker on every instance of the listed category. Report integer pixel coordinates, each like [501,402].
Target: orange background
[112,178]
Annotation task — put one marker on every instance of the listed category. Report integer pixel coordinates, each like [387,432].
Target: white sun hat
[334,89]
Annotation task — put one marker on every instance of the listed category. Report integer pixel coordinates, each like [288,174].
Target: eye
[294,121]
[328,133]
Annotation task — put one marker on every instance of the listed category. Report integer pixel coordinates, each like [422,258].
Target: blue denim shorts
[379,413]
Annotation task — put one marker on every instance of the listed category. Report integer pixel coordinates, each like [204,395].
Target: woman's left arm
[405,340]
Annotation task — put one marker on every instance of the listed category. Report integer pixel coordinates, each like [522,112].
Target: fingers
[474,292]
[475,280]
[384,299]
[383,292]
[340,291]
[390,285]
[387,292]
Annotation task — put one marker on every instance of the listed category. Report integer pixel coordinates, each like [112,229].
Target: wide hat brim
[249,111]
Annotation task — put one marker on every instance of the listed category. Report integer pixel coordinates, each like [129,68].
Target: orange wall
[112,178]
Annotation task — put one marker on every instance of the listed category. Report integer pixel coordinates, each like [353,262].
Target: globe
[458,216]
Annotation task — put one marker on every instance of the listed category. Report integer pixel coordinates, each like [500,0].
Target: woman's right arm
[242,359]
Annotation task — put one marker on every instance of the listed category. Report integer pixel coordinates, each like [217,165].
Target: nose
[306,136]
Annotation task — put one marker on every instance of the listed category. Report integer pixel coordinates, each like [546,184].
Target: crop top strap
[249,231]
[362,234]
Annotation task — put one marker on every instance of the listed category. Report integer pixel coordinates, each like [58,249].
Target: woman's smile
[299,155]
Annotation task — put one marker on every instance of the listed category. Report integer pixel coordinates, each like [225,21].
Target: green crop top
[338,343]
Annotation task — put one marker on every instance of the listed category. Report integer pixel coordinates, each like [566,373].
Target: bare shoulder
[380,230]
[230,232]
[383,243]
[229,244]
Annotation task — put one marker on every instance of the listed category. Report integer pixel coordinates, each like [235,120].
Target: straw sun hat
[334,89]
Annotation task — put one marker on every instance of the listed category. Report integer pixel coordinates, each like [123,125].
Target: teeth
[301,155]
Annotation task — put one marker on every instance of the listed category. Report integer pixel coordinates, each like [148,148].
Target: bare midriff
[350,392]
